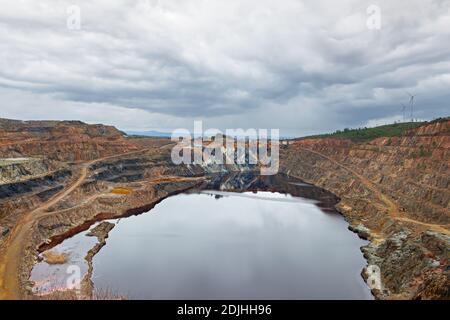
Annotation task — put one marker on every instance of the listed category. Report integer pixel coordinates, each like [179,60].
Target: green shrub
[367,134]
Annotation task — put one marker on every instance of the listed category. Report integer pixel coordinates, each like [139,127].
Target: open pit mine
[58,179]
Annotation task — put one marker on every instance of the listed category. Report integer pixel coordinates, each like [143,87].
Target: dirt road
[393,209]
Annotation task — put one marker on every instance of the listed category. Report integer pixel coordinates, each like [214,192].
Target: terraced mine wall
[18,198]
[394,191]
[13,170]
[66,141]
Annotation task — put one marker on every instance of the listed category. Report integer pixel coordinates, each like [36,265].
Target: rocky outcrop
[3,232]
[17,169]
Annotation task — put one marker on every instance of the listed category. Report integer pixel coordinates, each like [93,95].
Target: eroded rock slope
[58,178]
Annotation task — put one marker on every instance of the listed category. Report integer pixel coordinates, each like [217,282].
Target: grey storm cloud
[301,66]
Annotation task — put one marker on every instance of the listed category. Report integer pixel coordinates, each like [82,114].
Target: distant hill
[150,133]
[366,134]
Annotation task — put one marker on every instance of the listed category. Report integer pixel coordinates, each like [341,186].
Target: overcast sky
[300,66]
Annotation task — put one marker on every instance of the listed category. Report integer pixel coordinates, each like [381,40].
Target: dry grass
[107,294]
[98,294]
[120,190]
[56,295]
[52,257]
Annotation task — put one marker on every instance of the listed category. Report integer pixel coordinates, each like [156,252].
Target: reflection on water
[235,246]
[51,277]
[217,244]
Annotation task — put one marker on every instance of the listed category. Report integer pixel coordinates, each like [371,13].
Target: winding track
[393,209]
[13,248]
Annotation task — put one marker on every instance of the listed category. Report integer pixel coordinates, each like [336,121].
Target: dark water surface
[233,246]
[289,244]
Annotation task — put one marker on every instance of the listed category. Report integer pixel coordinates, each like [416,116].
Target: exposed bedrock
[17,169]
[394,191]
[66,141]
[21,197]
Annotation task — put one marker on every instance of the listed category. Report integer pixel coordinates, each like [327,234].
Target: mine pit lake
[222,245]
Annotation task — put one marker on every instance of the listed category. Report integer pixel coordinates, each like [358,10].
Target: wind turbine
[411,104]
[403,110]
